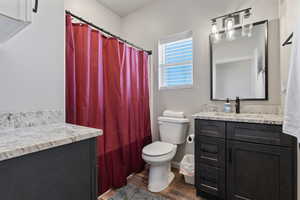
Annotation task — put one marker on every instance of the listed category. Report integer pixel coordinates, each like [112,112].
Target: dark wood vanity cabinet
[244,161]
[63,173]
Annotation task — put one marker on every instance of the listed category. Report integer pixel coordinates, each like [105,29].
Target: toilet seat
[157,149]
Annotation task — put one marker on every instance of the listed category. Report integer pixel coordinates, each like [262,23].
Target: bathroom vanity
[52,161]
[244,157]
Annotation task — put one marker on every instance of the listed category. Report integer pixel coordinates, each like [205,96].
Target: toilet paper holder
[190,138]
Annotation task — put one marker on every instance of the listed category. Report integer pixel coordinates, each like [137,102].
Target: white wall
[166,17]
[94,12]
[32,63]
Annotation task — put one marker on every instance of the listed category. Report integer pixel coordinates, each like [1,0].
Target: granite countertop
[243,117]
[21,141]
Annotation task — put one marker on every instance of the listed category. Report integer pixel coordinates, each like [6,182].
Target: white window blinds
[176,61]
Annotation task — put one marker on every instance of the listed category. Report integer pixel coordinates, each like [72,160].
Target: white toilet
[158,155]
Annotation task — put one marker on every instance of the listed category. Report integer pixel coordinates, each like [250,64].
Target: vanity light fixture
[214,31]
[229,24]
[230,21]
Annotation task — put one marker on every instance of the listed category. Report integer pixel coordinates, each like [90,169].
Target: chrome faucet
[237,105]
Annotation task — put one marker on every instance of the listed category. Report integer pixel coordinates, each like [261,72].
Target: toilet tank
[173,130]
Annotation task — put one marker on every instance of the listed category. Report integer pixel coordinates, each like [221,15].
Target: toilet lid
[174,120]
[158,149]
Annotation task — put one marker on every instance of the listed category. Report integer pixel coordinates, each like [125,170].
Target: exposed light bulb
[247,30]
[229,28]
[214,28]
[229,23]
[247,26]
[230,34]
[214,31]
[215,37]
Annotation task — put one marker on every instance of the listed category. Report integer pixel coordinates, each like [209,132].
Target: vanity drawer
[210,128]
[259,133]
[210,180]
[210,151]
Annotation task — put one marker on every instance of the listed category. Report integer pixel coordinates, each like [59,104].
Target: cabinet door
[63,173]
[210,151]
[259,172]
[18,9]
[210,180]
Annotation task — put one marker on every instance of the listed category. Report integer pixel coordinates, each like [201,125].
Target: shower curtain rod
[106,32]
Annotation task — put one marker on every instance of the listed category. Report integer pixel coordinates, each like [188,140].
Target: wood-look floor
[178,190]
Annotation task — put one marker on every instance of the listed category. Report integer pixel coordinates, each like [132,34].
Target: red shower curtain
[107,88]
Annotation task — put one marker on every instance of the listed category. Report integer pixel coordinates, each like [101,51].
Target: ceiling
[124,7]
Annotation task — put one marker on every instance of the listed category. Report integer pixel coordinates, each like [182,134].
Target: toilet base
[160,177]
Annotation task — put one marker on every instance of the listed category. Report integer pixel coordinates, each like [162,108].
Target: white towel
[169,113]
[291,124]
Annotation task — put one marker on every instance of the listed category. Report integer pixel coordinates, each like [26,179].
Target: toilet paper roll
[190,139]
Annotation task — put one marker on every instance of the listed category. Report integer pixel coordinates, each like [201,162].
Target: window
[176,61]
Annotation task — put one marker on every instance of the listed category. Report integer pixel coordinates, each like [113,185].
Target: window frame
[161,56]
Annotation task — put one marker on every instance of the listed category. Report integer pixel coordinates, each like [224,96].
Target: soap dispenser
[227,106]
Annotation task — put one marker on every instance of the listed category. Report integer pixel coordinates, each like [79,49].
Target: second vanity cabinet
[244,161]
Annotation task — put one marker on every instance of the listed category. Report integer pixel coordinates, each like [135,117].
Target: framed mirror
[239,64]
